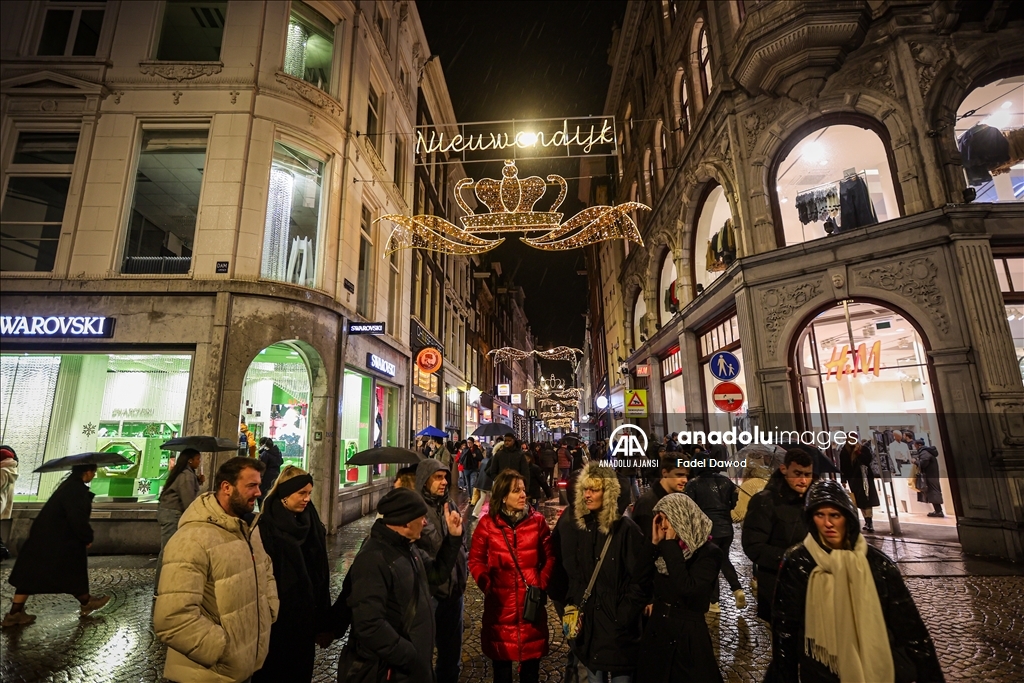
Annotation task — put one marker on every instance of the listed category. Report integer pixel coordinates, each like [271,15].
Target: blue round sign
[724,366]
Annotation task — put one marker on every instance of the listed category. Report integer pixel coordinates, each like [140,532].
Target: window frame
[77,9]
[159,32]
[330,88]
[704,61]
[377,136]
[365,296]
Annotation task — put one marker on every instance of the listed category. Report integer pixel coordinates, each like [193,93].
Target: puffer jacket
[435,532]
[913,652]
[217,597]
[774,522]
[8,475]
[716,496]
[610,640]
[504,635]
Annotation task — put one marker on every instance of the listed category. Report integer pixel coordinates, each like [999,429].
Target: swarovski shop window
[56,405]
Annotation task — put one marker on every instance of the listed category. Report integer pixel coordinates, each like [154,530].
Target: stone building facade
[208,181]
[736,114]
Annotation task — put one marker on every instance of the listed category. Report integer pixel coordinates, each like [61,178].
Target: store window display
[357,426]
[640,326]
[869,368]
[275,401]
[668,299]
[835,179]
[61,404]
[714,238]
[990,136]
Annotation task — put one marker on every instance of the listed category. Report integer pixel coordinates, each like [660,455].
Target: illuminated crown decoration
[510,202]
[508,354]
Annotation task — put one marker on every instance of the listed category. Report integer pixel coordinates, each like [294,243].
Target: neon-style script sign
[533,138]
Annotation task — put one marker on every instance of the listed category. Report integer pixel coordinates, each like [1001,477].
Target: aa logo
[626,440]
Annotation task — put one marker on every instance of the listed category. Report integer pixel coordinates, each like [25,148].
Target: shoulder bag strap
[600,561]
[514,560]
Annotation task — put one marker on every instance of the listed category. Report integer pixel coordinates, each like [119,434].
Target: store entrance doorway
[863,367]
[275,401]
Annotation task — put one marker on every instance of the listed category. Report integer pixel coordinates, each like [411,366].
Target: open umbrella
[388,454]
[572,435]
[492,429]
[203,444]
[83,459]
[433,431]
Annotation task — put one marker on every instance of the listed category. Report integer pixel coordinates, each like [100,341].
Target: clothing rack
[833,182]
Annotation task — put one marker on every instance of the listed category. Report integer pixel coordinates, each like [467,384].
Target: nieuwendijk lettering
[53,326]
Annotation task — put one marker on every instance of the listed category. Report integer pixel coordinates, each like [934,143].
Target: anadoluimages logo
[626,442]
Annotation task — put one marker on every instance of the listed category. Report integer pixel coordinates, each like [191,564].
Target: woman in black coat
[931,490]
[869,629]
[296,541]
[716,495]
[54,559]
[676,647]
[855,467]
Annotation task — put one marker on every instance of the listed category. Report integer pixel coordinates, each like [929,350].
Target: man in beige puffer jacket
[217,596]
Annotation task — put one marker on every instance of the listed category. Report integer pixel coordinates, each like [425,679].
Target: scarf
[297,545]
[514,516]
[689,522]
[843,627]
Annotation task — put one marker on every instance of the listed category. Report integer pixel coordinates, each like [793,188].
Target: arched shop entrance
[275,399]
[863,367]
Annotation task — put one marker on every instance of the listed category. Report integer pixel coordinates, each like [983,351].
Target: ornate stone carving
[779,303]
[873,74]
[177,96]
[372,156]
[930,58]
[756,123]
[234,96]
[1011,419]
[180,71]
[838,280]
[310,93]
[914,278]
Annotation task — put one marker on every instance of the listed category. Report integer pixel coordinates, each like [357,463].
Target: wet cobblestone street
[976,622]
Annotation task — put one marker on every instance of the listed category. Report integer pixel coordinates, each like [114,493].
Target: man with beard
[217,596]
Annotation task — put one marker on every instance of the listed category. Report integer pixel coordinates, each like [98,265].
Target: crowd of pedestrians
[245,596]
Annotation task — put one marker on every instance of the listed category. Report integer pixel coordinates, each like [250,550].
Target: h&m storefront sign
[56,326]
[385,367]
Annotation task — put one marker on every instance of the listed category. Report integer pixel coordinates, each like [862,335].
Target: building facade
[811,215]
[202,186]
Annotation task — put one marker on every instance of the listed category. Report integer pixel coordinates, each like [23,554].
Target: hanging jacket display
[1015,139]
[855,209]
[982,149]
[817,203]
[722,248]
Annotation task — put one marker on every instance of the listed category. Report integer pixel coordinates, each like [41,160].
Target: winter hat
[7,452]
[829,492]
[400,506]
[690,523]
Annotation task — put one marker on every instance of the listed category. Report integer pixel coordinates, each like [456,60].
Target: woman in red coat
[511,527]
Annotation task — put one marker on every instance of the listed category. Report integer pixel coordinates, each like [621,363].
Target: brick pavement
[976,622]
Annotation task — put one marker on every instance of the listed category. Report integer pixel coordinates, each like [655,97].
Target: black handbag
[533,605]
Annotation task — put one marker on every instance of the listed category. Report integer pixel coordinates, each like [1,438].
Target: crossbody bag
[572,619]
[533,606]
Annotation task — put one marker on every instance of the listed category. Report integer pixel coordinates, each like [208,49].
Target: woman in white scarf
[841,610]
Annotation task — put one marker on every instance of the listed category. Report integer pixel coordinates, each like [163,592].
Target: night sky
[518,60]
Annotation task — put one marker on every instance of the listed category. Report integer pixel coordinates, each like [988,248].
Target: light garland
[571,393]
[507,354]
[558,423]
[510,203]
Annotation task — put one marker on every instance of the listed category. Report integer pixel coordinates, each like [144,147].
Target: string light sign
[510,202]
[508,354]
[583,136]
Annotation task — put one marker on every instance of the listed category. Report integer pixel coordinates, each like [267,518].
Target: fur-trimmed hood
[596,476]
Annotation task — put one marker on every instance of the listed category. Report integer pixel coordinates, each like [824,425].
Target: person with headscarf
[676,646]
[296,541]
[841,610]
[180,489]
[8,475]
[54,559]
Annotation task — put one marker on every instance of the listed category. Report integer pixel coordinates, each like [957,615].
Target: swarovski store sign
[56,326]
[385,367]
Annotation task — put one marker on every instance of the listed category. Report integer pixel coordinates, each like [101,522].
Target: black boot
[869,526]
[4,552]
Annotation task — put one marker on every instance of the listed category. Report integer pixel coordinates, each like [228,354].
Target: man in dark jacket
[928,465]
[434,481]
[388,593]
[470,458]
[547,461]
[54,559]
[673,480]
[509,456]
[610,639]
[716,496]
[774,522]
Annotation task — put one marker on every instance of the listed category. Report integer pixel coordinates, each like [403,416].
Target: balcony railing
[156,265]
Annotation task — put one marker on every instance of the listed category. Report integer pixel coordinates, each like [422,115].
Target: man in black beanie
[388,592]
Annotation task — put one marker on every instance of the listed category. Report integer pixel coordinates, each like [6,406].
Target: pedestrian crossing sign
[636,403]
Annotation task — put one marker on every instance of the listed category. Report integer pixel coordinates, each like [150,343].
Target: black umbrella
[203,444]
[572,435]
[492,429]
[380,456]
[83,459]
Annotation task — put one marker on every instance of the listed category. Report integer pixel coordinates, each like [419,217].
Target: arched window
[663,159]
[714,246]
[984,115]
[698,38]
[658,159]
[668,302]
[633,197]
[832,178]
[649,174]
[627,128]
[680,109]
[704,57]
[639,320]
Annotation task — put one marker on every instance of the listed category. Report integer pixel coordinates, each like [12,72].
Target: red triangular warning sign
[636,401]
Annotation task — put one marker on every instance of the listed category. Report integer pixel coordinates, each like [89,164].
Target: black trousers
[529,671]
[727,569]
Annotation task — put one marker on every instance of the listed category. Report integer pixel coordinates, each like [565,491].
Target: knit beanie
[400,506]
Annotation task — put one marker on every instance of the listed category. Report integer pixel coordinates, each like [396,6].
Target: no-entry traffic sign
[728,397]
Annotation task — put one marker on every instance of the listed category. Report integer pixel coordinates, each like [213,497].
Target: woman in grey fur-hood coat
[610,638]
